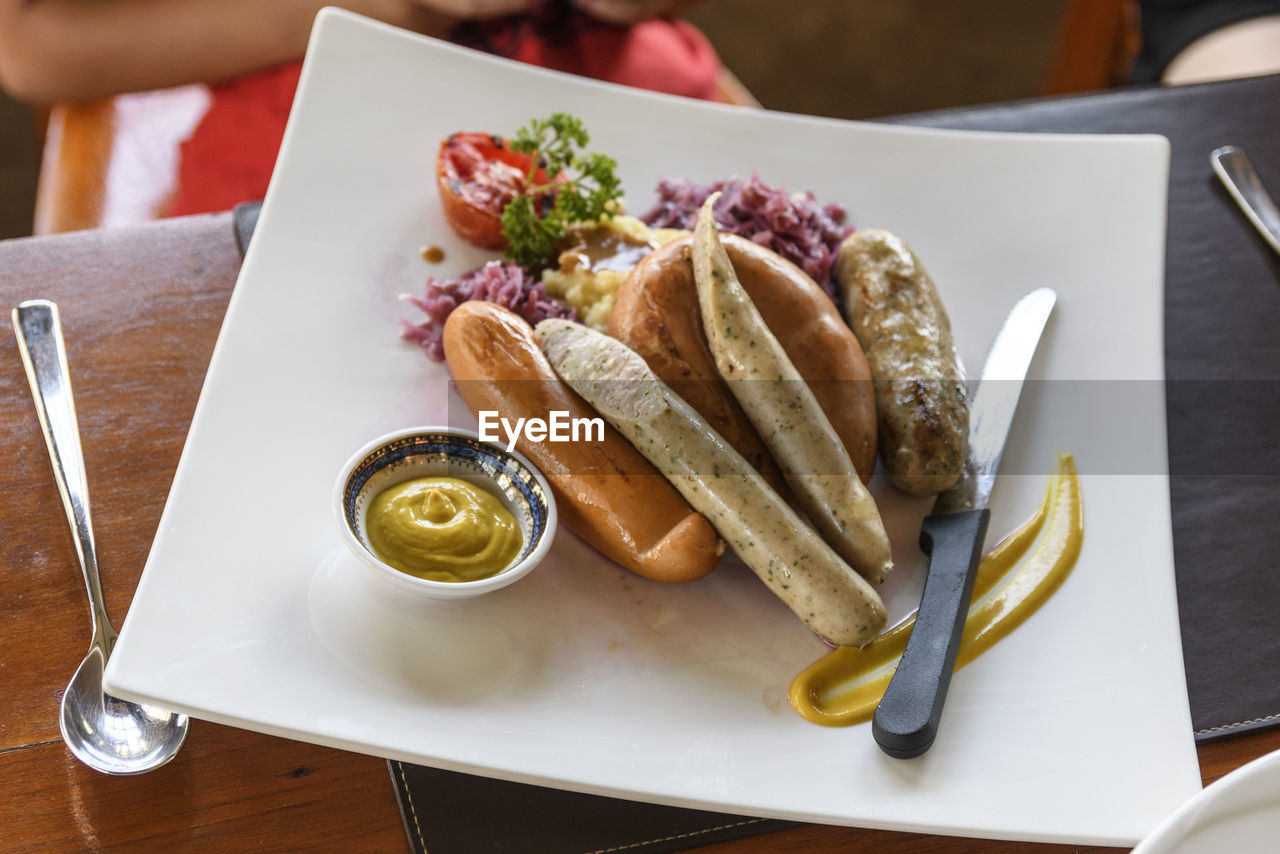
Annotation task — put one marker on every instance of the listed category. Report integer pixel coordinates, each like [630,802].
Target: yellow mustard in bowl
[442,529]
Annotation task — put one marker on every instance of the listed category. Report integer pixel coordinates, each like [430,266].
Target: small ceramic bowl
[449,452]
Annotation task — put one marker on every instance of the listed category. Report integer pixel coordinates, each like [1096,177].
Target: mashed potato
[595,261]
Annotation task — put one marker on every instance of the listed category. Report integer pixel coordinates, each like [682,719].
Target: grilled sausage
[894,309]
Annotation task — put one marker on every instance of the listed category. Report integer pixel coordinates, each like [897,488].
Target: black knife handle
[906,721]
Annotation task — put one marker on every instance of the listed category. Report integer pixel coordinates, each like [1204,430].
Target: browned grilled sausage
[894,309]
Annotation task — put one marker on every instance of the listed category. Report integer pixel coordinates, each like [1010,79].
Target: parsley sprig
[581,187]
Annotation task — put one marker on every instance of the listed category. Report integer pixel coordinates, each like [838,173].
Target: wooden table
[141,310]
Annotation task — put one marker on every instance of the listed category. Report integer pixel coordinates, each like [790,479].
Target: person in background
[1187,41]
[249,53]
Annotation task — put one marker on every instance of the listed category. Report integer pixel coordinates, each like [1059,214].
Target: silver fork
[1242,181]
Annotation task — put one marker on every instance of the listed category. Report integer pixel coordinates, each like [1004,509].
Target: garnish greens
[581,187]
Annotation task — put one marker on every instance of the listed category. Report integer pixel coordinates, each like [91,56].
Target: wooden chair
[1096,46]
[114,161]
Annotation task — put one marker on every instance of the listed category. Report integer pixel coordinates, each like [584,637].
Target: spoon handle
[44,355]
[1242,181]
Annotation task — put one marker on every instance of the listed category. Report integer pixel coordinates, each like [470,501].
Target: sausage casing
[785,411]
[895,311]
[655,313]
[789,556]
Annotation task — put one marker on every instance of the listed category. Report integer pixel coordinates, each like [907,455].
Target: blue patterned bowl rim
[504,468]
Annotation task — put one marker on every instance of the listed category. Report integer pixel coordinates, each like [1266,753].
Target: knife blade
[906,721]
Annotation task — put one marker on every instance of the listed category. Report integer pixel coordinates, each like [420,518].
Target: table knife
[906,721]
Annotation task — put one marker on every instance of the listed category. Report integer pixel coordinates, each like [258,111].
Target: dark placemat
[446,812]
[1222,359]
[1222,366]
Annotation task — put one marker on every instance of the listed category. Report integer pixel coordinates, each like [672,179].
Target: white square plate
[582,676]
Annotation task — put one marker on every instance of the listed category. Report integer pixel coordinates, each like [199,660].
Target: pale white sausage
[785,412]
[792,560]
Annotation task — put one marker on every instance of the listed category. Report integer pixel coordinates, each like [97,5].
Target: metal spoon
[109,735]
[1242,181]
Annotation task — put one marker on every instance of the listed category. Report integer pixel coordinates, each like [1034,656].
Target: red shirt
[229,157]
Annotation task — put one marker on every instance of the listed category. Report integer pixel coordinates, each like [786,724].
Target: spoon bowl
[111,735]
[107,734]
